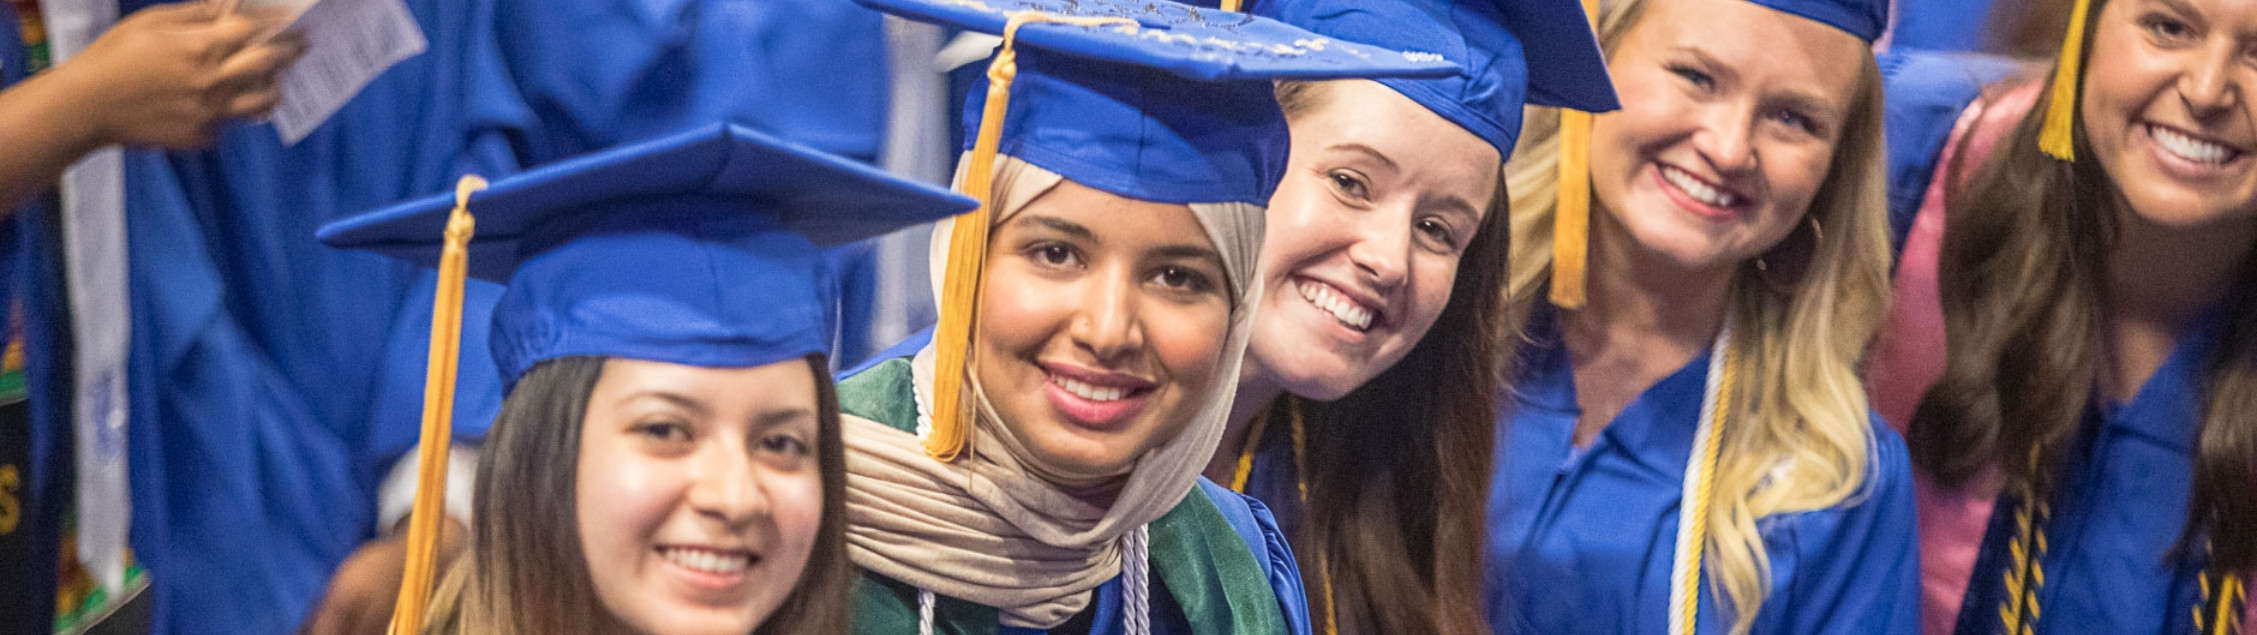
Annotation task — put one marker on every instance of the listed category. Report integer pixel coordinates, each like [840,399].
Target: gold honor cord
[2058,136]
[438,415]
[967,245]
[1571,217]
[2226,598]
[1700,476]
[1245,471]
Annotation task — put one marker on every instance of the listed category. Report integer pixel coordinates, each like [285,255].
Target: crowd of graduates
[1258,316]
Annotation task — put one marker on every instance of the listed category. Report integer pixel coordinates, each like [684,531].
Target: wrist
[73,108]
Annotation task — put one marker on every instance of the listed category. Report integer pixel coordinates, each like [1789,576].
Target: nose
[1381,251]
[1726,139]
[725,487]
[2209,89]
[1106,325]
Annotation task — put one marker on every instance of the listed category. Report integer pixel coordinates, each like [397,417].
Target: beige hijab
[989,527]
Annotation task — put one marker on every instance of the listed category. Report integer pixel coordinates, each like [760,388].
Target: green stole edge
[1231,595]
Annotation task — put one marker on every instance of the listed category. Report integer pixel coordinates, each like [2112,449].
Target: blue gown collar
[2167,408]
[1656,429]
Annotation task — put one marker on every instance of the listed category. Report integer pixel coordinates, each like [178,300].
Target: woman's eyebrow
[1359,148]
[1060,225]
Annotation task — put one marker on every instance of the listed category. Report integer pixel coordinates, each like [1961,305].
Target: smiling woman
[1690,450]
[1366,410]
[668,456]
[2099,306]
[1035,466]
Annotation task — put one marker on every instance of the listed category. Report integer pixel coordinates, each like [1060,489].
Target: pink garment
[1909,356]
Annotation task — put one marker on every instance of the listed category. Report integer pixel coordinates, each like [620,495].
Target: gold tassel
[438,415]
[967,247]
[1571,218]
[2058,137]
[1230,5]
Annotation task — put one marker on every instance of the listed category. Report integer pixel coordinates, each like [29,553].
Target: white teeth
[1348,312]
[707,561]
[1695,188]
[2188,148]
[1086,391]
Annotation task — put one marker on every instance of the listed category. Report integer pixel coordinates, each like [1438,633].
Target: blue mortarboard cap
[1177,108]
[1862,18]
[1492,41]
[700,248]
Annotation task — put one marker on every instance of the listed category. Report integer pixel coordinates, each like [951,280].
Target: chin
[2186,210]
[1079,454]
[686,622]
[1323,387]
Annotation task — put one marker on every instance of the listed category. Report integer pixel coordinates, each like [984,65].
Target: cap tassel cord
[2058,137]
[1571,218]
[438,415]
[967,246]
[1231,5]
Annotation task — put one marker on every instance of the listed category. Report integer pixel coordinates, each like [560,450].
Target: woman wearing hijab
[1033,468]
[1690,449]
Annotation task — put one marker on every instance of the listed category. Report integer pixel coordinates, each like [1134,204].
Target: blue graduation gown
[2110,566]
[1582,541]
[253,449]
[1924,92]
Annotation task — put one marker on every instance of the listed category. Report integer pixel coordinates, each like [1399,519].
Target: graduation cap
[1509,53]
[701,248]
[1571,228]
[1146,99]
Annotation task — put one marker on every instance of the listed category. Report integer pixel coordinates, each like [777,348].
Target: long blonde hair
[1798,437]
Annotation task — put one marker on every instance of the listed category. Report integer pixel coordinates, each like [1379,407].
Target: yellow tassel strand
[1571,218]
[2058,137]
[438,415]
[967,246]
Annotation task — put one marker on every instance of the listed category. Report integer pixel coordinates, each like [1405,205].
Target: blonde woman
[1688,448]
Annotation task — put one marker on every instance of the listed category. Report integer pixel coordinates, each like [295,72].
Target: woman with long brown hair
[668,457]
[1365,411]
[1689,448]
[2099,313]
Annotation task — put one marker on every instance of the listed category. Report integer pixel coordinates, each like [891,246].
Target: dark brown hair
[1397,463]
[525,572]
[2023,279]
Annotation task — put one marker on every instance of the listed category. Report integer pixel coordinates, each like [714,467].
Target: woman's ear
[1784,267]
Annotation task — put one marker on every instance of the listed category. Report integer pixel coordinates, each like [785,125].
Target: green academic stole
[1197,557]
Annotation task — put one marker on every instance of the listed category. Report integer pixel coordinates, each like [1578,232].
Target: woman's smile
[1702,197]
[1095,399]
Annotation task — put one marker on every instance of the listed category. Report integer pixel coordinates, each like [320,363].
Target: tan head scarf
[989,528]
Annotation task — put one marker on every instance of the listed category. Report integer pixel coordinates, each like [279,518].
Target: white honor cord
[1684,593]
[1136,587]
[1136,582]
[924,612]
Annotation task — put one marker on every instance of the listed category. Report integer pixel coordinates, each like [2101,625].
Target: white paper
[348,43]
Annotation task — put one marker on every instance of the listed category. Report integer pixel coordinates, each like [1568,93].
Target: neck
[2161,280]
[1634,292]
[2168,276]
[1256,391]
